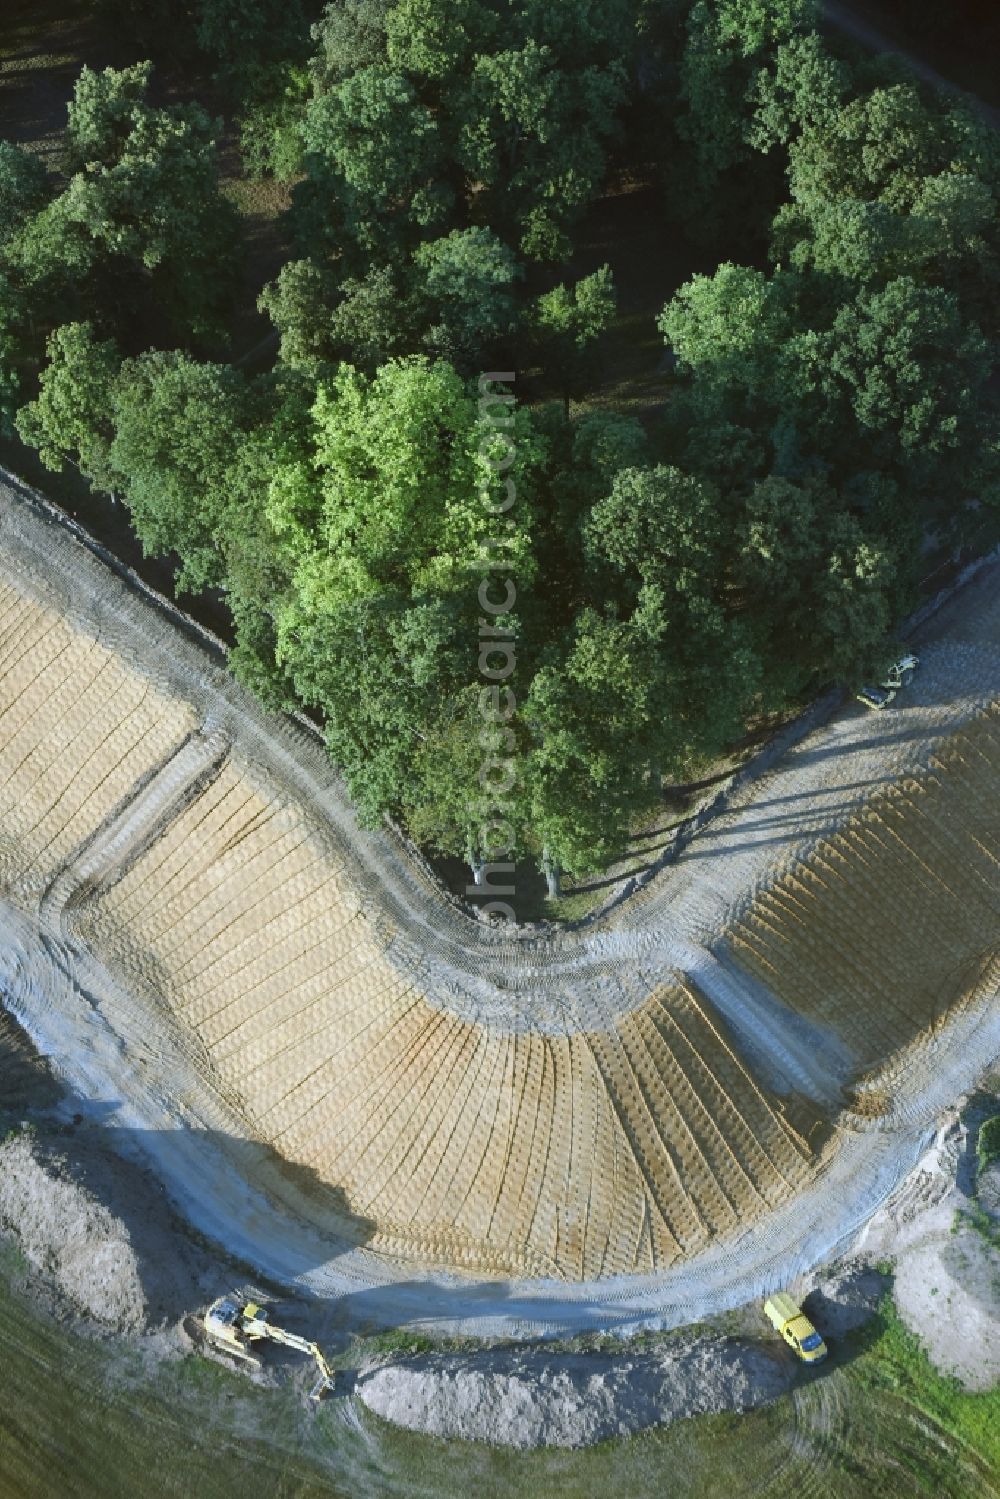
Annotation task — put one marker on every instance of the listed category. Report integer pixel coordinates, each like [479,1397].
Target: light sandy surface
[946,1254]
[565,1400]
[64,1234]
[360,1089]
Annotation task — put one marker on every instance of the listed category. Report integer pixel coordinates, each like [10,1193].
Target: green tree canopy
[660,545]
[892,185]
[509,112]
[855,380]
[569,322]
[71,417]
[380,523]
[801,91]
[230,33]
[237,32]
[436,40]
[376,319]
[730,63]
[350,36]
[178,428]
[12,317]
[821,589]
[594,714]
[374,150]
[298,303]
[467,282]
[141,210]
[885,145]
[24,188]
[535,137]
[730,329]
[894,355]
[401,462]
[830,409]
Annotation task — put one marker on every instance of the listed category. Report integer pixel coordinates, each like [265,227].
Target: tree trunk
[552,874]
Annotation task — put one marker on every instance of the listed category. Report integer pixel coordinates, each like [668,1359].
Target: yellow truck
[788,1318]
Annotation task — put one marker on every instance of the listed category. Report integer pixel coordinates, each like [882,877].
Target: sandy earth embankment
[359,1089]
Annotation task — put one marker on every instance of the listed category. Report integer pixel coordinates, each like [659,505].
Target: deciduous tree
[374,149]
[24,188]
[141,209]
[731,47]
[178,427]
[466,283]
[71,417]
[570,320]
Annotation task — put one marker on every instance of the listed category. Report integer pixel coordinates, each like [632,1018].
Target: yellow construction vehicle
[788,1318]
[234,1326]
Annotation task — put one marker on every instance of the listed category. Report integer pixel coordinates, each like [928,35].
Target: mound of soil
[25,1078]
[98,1230]
[540,1399]
[846,1299]
[939,1229]
[69,1238]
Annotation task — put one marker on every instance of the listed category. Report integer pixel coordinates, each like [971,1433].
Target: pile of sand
[571,1400]
[98,1230]
[69,1237]
[940,1231]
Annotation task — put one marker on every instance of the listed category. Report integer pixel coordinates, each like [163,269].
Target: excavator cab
[254,1320]
[223,1323]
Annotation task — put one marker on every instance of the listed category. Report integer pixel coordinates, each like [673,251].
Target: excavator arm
[258,1327]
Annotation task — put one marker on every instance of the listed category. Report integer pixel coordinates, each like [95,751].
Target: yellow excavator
[233,1326]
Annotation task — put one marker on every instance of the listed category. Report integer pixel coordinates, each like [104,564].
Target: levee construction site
[358,1089]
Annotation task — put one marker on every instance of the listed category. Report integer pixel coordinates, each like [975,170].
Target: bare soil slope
[568,1107]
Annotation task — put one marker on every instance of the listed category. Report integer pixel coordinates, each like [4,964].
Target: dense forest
[657,580]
